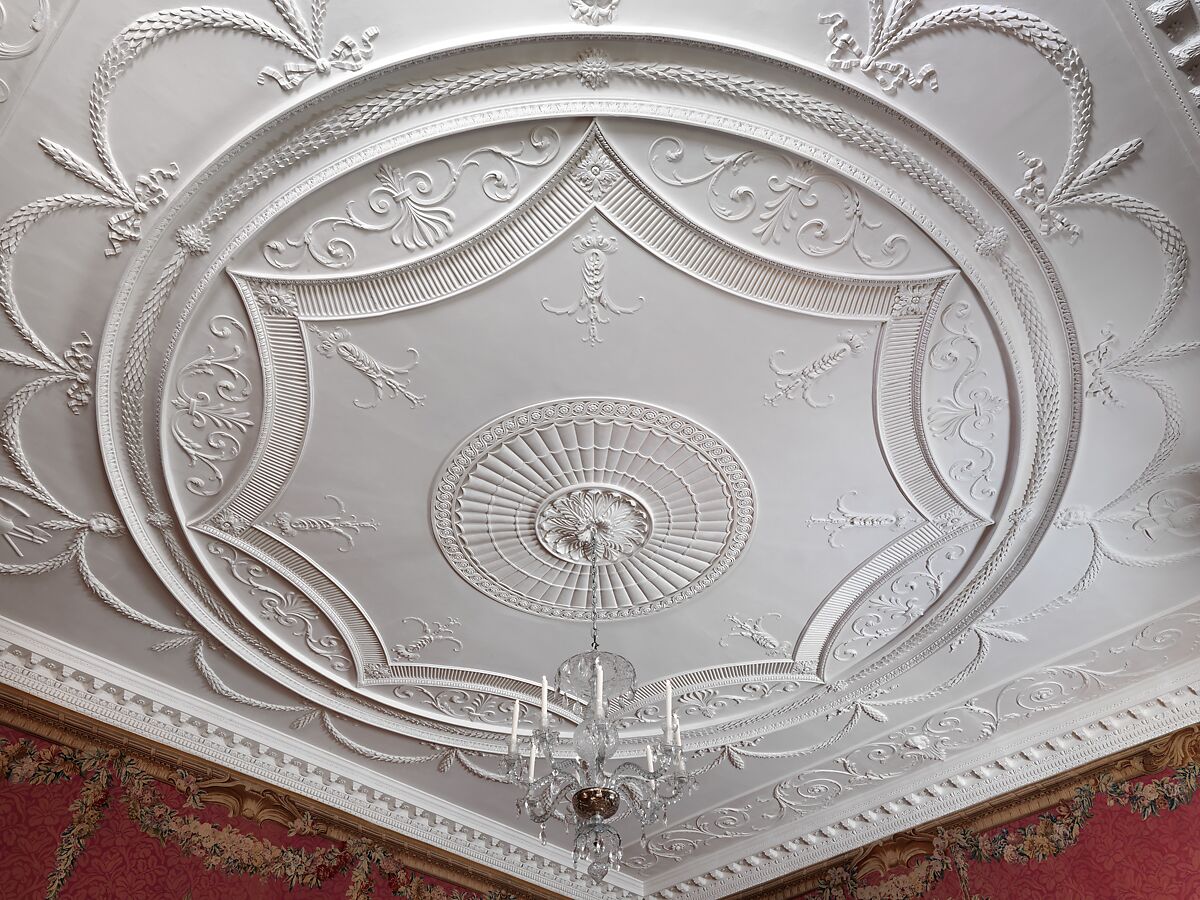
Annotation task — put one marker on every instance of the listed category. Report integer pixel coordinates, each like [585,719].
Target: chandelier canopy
[577,780]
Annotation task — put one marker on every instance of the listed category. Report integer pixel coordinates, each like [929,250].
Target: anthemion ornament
[591,309]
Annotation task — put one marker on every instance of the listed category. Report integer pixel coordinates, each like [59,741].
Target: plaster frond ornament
[211,419]
[336,343]
[754,630]
[339,523]
[843,518]
[801,380]
[431,632]
[797,189]
[410,206]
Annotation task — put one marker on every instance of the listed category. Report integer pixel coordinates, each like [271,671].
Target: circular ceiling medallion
[520,501]
[593,524]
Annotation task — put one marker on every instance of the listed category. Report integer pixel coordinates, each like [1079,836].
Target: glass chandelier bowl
[578,780]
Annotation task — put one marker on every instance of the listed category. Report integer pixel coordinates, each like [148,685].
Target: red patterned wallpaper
[1131,840]
[92,825]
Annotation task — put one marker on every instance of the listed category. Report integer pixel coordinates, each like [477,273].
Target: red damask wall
[91,826]
[1112,840]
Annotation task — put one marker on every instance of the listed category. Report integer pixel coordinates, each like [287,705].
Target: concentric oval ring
[514,497]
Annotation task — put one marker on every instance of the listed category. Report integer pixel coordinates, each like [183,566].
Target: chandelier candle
[596,790]
[516,718]
[599,690]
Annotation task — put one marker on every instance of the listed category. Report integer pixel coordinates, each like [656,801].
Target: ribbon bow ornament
[348,54]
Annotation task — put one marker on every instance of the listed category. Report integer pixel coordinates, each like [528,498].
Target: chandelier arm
[542,800]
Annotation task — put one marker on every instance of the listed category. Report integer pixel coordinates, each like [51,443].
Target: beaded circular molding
[519,503]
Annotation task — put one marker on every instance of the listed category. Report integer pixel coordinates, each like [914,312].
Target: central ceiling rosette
[670,506]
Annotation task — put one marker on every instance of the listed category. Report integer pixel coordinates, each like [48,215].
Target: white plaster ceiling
[874,320]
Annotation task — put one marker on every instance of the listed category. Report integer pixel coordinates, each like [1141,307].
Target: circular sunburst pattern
[519,503]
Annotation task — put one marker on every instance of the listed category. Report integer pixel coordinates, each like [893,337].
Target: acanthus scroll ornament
[795,186]
[843,518]
[901,603]
[410,205]
[590,310]
[209,422]
[969,413]
[384,376]
[287,608]
[753,630]
[431,632]
[336,344]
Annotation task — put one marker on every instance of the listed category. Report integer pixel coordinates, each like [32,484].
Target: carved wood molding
[246,797]
[900,850]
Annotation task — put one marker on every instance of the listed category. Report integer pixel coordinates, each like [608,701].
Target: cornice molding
[1174,750]
[65,676]
[241,795]
[1098,729]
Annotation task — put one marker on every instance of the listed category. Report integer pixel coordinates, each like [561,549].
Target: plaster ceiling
[868,328]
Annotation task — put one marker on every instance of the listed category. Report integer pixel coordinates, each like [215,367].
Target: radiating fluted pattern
[493,486]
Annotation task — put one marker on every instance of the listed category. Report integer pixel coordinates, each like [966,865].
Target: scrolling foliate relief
[754,630]
[843,518]
[287,608]
[411,205]
[971,413]
[211,420]
[335,343]
[793,208]
[905,599]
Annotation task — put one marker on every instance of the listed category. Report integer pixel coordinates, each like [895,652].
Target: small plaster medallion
[574,520]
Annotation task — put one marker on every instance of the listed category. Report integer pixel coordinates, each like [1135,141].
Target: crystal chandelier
[577,774]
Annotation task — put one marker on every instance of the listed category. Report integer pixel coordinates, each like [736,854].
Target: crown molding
[902,849]
[1105,726]
[66,676]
